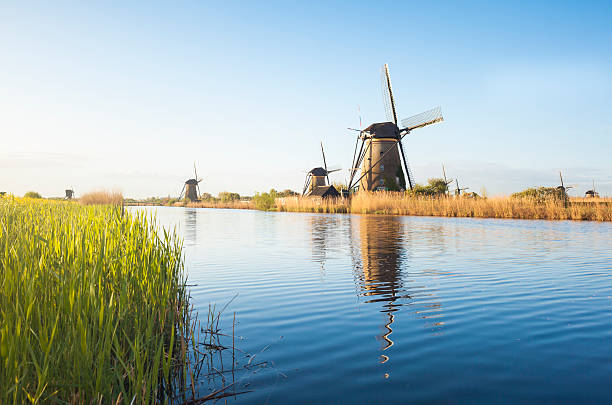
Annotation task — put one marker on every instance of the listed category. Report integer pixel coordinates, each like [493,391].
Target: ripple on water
[366,309]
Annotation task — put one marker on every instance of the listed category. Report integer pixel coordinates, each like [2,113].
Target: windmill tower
[192,187]
[381,146]
[317,181]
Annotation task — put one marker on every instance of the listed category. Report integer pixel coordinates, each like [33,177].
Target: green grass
[93,306]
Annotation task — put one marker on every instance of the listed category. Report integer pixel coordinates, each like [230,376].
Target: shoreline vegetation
[397,203]
[94,308]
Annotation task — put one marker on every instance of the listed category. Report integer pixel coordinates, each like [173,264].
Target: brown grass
[245,205]
[102,197]
[499,207]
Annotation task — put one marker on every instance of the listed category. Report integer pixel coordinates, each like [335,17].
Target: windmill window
[382,182]
[382,167]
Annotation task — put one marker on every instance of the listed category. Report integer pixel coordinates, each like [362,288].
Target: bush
[32,194]
[435,188]
[226,196]
[542,194]
[287,193]
[265,201]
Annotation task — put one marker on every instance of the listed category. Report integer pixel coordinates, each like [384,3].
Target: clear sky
[118,96]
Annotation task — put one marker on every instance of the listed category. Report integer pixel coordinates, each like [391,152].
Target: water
[372,309]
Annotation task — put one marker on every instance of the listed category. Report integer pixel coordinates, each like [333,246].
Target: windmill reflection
[190,226]
[326,231]
[380,262]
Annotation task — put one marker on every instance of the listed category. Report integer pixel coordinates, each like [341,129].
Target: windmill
[563,188]
[69,194]
[317,181]
[381,145]
[459,190]
[192,187]
[592,193]
[447,182]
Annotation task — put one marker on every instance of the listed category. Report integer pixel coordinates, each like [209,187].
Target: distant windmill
[192,187]
[459,190]
[563,188]
[447,182]
[69,194]
[317,181]
[592,193]
[381,144]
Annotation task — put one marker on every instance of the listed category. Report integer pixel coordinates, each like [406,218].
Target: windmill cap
[318,171]
[192,182]
[383,130]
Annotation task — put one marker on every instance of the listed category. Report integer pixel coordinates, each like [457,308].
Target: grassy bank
[93,306]
[498,207]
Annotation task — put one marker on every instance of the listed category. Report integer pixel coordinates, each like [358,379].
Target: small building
[324,192]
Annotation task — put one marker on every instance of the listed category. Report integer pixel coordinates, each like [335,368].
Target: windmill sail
[387,95]
[423,119]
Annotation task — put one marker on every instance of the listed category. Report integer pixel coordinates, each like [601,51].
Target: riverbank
[390,203]
[94,306]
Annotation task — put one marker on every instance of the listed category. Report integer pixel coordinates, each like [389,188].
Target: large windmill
[317,181]
[192,187]
[381,146]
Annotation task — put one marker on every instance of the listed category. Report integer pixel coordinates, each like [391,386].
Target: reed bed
[102,197]
[393,203]
[93,306]
[242,205]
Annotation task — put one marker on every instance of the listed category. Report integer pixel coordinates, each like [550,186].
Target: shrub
[226,196]
[435,187]
[265,201]
[32,194]
[542,194]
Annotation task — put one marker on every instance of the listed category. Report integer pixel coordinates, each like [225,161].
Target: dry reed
[393,203]
[245,205]
[102,197]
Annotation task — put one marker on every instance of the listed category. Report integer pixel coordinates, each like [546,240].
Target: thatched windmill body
[381,159]
[69,194]
[191,188]
[317,181]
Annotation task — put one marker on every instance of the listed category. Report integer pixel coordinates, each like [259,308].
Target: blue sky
[117,96]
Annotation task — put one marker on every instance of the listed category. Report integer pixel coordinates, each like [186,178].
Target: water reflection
[383,275]
[191,229]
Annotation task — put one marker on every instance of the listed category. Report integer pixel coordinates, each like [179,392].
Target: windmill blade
[387,94]
[195,171]
[323,152]
[423,119]
[181,194]
[324,162]
[334,170]
[306,184]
